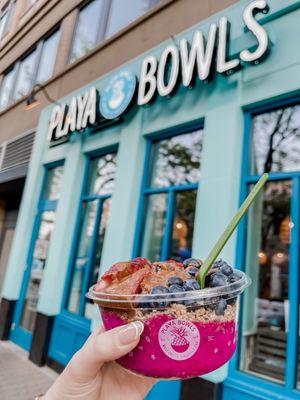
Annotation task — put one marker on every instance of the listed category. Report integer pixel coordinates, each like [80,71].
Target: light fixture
[262,258]
[32,101]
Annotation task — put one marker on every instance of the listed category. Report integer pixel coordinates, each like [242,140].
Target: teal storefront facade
[97,186]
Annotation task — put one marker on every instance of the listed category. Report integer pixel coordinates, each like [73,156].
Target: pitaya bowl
[185,334]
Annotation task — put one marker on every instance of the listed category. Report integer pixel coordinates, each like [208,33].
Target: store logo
[179,339]
[117,95]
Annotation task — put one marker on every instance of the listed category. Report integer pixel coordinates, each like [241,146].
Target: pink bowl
[184,337]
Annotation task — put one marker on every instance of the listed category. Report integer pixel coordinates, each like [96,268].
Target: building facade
[155,136]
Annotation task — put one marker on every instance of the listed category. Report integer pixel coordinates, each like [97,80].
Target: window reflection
[6,89]
[267,262]
[122,13]
[98,251]
[176,161]
[102,177]
[41,248]
[86,34]
[53,183]
[48,58]
[89,242]
[25,76]
[183,226]
[154,227]
[276,141]
[82,256]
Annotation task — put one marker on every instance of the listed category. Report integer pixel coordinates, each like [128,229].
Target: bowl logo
[179,339]
[117,95]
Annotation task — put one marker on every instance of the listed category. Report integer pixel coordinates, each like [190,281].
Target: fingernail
[131,332]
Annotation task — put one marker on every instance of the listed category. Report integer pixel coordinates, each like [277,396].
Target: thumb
[104,347]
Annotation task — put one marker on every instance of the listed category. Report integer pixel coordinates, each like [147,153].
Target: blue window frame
[90,231]
[25,313]
[168,195]
[268,250]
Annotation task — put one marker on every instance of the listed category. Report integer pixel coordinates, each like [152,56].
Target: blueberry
[159,302]
[232,301]
[193,271]
[176,288]
[226,269]
[190,303]
[191,284]
[234,278]
[221,307]
[144,303]
[217,264]
[159,290]
[218,279]
[192,262]
[174,280]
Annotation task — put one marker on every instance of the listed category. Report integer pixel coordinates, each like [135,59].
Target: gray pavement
[20,379]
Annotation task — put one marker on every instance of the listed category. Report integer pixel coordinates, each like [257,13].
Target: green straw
[206,266]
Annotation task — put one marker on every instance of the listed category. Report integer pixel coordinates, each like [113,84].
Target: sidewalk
[20,379]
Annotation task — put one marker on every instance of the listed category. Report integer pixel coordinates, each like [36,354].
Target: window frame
[38,47]
[171,191]
[237,375]
[84,197]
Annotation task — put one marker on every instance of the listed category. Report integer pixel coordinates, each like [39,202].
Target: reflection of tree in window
[178,160]
[103,181]
[276,137]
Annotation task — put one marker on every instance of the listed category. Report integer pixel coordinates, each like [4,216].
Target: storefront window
[45,222]
[276,141]
[95,211]
[267,261]
[271,254]
[170,197]
[37,269]
[53,183]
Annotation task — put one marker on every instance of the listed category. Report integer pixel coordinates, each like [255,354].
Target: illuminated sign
[198,59]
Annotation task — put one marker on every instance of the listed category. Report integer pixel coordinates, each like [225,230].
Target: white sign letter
[81,104]
[54,120]
[70,122]
[164,89]
[197,51]
[90,109]
[222,65]
[258,31]
[147,78]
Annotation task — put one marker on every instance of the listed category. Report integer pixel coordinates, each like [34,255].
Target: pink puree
[217,345]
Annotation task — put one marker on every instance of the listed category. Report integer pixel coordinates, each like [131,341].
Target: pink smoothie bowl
[185,335]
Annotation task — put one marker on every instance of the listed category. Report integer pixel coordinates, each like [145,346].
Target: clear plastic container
[186,334]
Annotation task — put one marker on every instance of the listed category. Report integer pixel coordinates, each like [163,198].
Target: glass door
[26,308]
[269,252]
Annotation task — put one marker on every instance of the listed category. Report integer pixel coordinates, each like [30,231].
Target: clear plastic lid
[200,297]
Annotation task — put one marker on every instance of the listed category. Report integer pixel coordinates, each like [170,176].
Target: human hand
[92,375]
